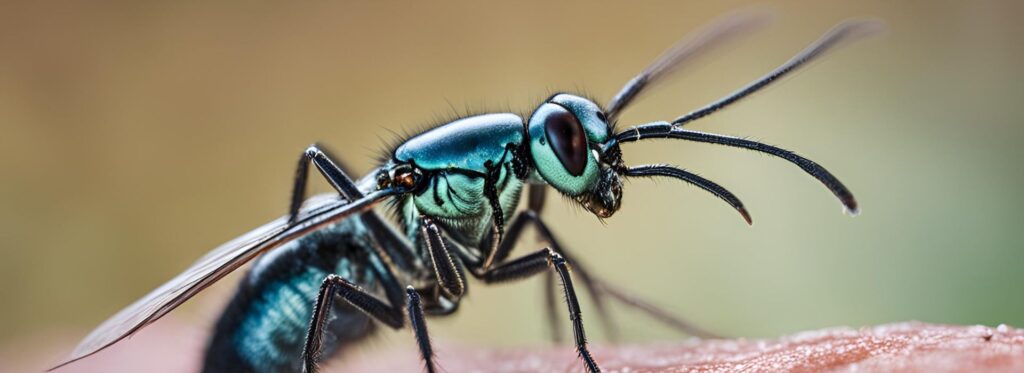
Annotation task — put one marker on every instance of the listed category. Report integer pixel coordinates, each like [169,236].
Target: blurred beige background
[134,137]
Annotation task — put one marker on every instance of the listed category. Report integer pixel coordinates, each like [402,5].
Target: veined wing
[317,212]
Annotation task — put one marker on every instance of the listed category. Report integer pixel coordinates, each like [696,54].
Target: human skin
[905,347]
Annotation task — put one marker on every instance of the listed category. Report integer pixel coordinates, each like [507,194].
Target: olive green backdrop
[136,136]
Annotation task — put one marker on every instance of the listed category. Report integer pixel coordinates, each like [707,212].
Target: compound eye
[569,142]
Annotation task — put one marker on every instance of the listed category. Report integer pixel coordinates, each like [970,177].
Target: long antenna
[703,40]
[700,182]
[663,130]
[846,31]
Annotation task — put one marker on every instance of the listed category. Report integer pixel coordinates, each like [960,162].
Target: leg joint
[554,258]
[312,151]
[413,295]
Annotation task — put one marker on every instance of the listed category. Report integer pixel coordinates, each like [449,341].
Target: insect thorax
[461,205]
[470,170]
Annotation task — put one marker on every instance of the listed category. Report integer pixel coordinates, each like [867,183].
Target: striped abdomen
[263,328]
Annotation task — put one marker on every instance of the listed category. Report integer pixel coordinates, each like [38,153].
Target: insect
[334,268]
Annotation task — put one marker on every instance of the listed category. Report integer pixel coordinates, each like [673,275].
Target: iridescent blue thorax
[465,144]
[468,171]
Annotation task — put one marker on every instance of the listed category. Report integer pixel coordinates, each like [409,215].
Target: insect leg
[533,264]
[535,203]
[596,288]
[419,328]
[446,266]
[386,244]
[329,169]
[334,285]
[514,232]
[513,235]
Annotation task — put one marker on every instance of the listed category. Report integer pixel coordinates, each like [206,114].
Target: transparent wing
[714,34]
[317,211]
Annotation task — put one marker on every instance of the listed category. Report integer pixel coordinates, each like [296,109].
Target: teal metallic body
[465,145]
[462,159]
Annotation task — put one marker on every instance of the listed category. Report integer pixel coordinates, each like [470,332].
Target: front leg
[515,232]
[595,287]
[536,263]
[447,267]
[419,328]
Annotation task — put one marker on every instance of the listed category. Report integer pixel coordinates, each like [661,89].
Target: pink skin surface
[170,346]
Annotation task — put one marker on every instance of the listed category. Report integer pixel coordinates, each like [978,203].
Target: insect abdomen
[264,327]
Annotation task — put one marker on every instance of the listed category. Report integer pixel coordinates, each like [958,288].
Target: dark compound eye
[567,139]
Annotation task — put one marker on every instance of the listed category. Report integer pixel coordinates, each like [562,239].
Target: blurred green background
[135,136]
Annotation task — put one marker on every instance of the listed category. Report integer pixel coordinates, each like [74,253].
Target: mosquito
[334,268]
